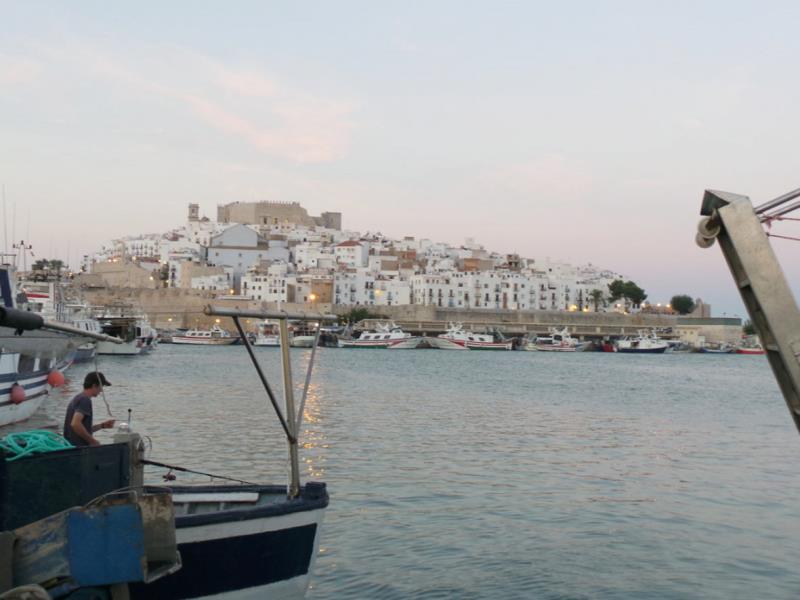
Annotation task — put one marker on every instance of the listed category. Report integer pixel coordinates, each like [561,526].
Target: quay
[427,320]
[173,308]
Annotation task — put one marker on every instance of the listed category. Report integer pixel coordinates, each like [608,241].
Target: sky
[582,131]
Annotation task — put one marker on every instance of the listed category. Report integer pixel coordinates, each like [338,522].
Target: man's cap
[95,378]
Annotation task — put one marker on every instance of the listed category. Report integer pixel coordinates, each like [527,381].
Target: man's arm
[104,425]
[81,431]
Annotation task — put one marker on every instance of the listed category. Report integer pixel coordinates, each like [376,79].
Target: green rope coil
[24,443]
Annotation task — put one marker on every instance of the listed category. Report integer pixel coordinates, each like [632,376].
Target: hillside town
[276,252]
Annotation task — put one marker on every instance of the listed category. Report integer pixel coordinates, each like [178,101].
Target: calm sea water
[501,475]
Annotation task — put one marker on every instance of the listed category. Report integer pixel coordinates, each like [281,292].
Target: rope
[783,237]
[32,442]
[102,388]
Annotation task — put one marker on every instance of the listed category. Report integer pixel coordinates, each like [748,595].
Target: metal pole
[784,211]
[288,394]
[272,399]
[308,379]
[777,201]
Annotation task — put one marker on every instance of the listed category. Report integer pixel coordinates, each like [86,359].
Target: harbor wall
[172,308]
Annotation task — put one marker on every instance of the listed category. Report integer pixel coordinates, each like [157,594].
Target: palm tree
[597,296]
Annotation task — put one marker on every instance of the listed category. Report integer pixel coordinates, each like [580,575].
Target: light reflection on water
[514,475]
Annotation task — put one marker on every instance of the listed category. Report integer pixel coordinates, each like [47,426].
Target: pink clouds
[269,115]
[15,70]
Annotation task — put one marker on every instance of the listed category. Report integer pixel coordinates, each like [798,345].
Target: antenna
[5,223]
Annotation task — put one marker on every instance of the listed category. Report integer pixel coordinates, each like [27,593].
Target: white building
[240,247]
[352,253]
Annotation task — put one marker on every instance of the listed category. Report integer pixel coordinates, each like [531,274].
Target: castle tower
[194,212]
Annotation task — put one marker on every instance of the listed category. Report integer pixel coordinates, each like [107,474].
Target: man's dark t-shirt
[83,405]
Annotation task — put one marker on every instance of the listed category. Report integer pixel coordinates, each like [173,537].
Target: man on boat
[78,428]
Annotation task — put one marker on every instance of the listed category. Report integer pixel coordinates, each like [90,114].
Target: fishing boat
[122,328]
[559,340]
[243,540]
[24,385]
[146,335]
[386,335]
[216,336]
[25,378]
[646,342]
[456,338]
[751,350]
[267,335]
[721,348]
[750,345]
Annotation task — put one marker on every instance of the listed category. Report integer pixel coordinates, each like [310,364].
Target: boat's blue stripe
[235,563]
[14,377]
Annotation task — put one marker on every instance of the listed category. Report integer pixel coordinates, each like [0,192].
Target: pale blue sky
[579,130]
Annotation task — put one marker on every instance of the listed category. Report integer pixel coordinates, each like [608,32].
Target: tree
[682,304]
[748,328]
[40,265]
[634,293]
[617,289]
[626,289]
[597,296]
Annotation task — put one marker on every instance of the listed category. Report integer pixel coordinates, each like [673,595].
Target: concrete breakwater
[173,308]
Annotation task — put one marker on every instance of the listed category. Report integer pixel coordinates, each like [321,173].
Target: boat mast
[289,422]
[731,220]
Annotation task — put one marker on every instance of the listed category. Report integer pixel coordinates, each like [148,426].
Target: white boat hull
[132,348]
[400,344]
[445,344]
[303,341]
[36,389]
[203,342]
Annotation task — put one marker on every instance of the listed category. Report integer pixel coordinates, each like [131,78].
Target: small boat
[456,338]
[559,340]
[750,345]
[123,328]
[646,342]
[260,544]
[31,375]
[386,335]
[751,350]
[267,334]
[216,336]
[721,348]
[146,335]
[25,377]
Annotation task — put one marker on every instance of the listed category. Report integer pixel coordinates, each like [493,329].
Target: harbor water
[498,474]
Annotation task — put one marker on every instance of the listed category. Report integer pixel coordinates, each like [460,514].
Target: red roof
[349,243]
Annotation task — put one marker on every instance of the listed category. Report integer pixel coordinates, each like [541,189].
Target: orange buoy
[55,378]
[17,393]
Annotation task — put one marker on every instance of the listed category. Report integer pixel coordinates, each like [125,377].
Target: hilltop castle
[274,213]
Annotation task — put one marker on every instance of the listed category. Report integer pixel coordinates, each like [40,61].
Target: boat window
[387,336]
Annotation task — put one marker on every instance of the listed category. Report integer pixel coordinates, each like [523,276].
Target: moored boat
[456,338]
[216,336]
[260,544]
[386,335]
[721,348]
[646,342]
[559,340]
[267,335]
[751,350]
